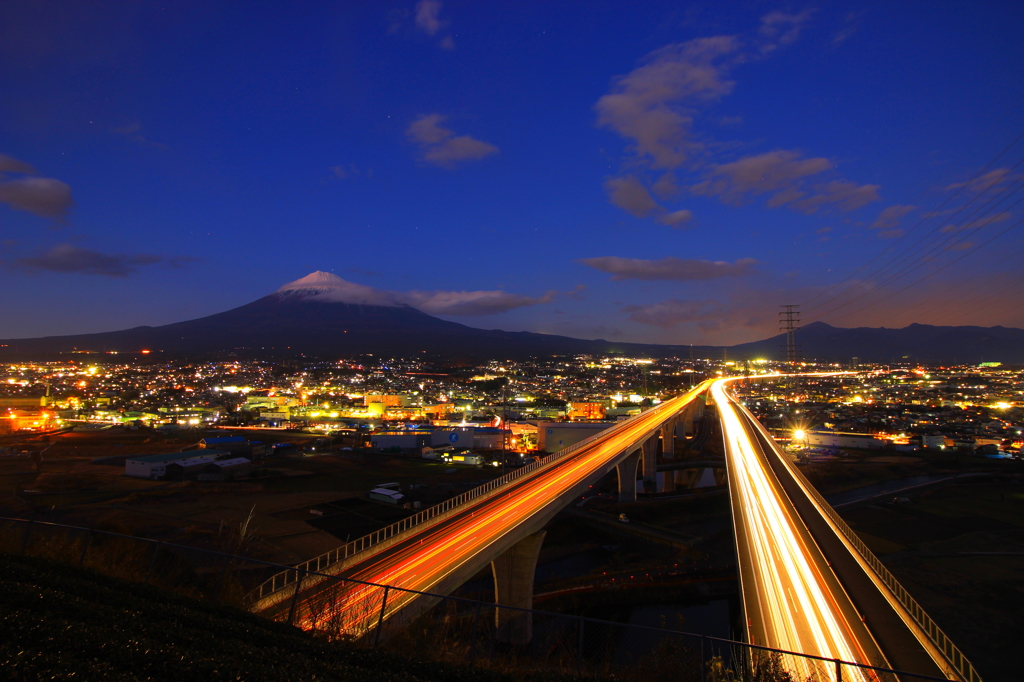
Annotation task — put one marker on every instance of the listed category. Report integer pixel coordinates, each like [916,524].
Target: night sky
[665,172]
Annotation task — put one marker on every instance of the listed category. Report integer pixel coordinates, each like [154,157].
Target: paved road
[803,588]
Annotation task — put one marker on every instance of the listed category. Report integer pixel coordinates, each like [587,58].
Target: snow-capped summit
[329,288]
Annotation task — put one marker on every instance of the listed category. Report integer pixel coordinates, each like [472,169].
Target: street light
[800,435]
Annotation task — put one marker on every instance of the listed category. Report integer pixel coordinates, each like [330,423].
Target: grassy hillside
[61,623]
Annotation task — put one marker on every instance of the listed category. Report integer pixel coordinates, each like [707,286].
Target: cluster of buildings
[976,409]
[418,407]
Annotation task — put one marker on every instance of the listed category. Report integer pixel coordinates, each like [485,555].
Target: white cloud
[440,146]
[671,268]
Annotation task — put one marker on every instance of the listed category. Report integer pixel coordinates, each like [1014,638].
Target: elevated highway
[808,583]
[501,526]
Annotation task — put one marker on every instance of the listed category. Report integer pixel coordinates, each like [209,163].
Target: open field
[959,549]
[79,479]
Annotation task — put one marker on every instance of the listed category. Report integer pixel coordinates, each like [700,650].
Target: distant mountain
[324,315]
[917,342]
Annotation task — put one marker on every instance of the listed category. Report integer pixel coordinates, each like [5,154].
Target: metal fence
[455,629]
[288,577]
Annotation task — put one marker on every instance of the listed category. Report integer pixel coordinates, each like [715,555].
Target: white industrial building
[835,439]
[553,436]
[386,495]
[155,466]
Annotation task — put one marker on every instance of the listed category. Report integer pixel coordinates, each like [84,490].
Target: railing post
[24,539]
[703,661]
[839,670]
[579,651]
[472,641]
[85,548]
[222,577]
[295,598]
[380,618]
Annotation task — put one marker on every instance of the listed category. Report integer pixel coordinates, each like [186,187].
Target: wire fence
[284,579]
[440,627]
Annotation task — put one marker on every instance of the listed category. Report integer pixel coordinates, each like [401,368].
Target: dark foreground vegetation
[62,623]
[58,622]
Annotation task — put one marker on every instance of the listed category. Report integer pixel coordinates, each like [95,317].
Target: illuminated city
[439,340]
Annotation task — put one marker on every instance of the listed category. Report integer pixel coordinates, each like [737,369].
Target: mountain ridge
[324,315]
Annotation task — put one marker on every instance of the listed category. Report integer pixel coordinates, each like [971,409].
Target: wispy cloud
[779,172]
[781,28]
[673,312]
[678,269]
[631,196]
[789,178]
[676,218]
[12,165]
[989,180]
[653,105]
[68,258]
[890,217]
[471,303]
[428,20]
[446,303]
[440,146]
[133,131]
[22,190]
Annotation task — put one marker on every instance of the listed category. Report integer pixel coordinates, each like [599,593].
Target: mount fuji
[320,314]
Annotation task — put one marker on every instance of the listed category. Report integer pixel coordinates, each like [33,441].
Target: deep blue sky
[652,171]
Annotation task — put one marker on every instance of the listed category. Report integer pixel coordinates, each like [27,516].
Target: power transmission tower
[789,322]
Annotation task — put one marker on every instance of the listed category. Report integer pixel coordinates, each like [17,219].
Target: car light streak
[428,560]
[787,587]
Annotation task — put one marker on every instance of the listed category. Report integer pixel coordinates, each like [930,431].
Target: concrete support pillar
[690,416]
[668,440]
[668,479]
[650,455]
[513,586]
[627,477]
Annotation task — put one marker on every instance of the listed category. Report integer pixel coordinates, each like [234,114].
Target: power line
[939,244]
[965,185]
[935,272]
